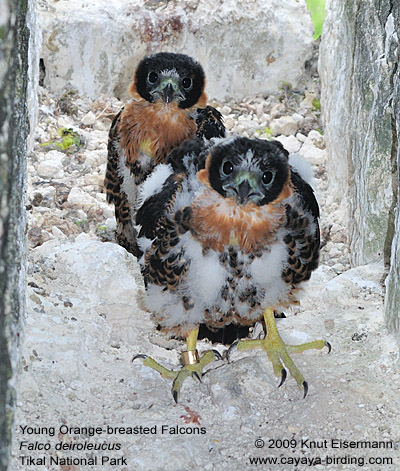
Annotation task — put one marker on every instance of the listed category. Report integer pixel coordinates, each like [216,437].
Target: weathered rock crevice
[395,187]
[389,25]
[361,43]
[392,301]
[16,71]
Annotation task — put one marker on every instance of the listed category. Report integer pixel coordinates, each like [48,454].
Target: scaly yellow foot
[278,352]
[193,365]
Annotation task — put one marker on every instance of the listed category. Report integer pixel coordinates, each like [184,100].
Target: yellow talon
[278,351]
[193,364]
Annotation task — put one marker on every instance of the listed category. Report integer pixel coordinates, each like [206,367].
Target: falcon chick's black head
[249,170]
[171,78]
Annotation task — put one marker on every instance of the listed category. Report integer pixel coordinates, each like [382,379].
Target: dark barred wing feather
[209,123]
[303,238]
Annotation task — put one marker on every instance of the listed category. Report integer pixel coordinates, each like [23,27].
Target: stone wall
[358,66]
[14,128]
[392,302]
[35,45]
[245,47]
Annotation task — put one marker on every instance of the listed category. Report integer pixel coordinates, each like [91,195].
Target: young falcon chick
[228,233]
[168,90]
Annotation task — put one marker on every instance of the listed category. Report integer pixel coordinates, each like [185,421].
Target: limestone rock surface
[359,69]
[392,301]
[245,47]
[15,20]
[85,323]
[358,61]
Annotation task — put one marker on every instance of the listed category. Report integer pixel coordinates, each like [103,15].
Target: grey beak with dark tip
[168,93]
[168,90]
[244,188]
[244,191]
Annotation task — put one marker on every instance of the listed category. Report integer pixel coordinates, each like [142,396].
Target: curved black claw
[283,377]
[329,346]
[197,376]
[175,396]
[217,354]
[305,387]
[230,349]
[140,355]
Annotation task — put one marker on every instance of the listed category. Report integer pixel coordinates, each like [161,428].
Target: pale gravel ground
[85,322]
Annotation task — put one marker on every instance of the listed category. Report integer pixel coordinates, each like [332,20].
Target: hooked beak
[168,92]
[244,189]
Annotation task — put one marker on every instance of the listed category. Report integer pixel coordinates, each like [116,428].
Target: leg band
[190,357]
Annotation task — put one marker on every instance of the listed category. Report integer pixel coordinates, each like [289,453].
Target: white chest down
[218,284]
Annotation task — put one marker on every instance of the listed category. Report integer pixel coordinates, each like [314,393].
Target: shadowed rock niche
[359,71]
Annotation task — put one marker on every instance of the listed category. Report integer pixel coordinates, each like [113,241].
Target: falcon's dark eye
[227,168]
[152,77]
[187,83]
[268,177]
